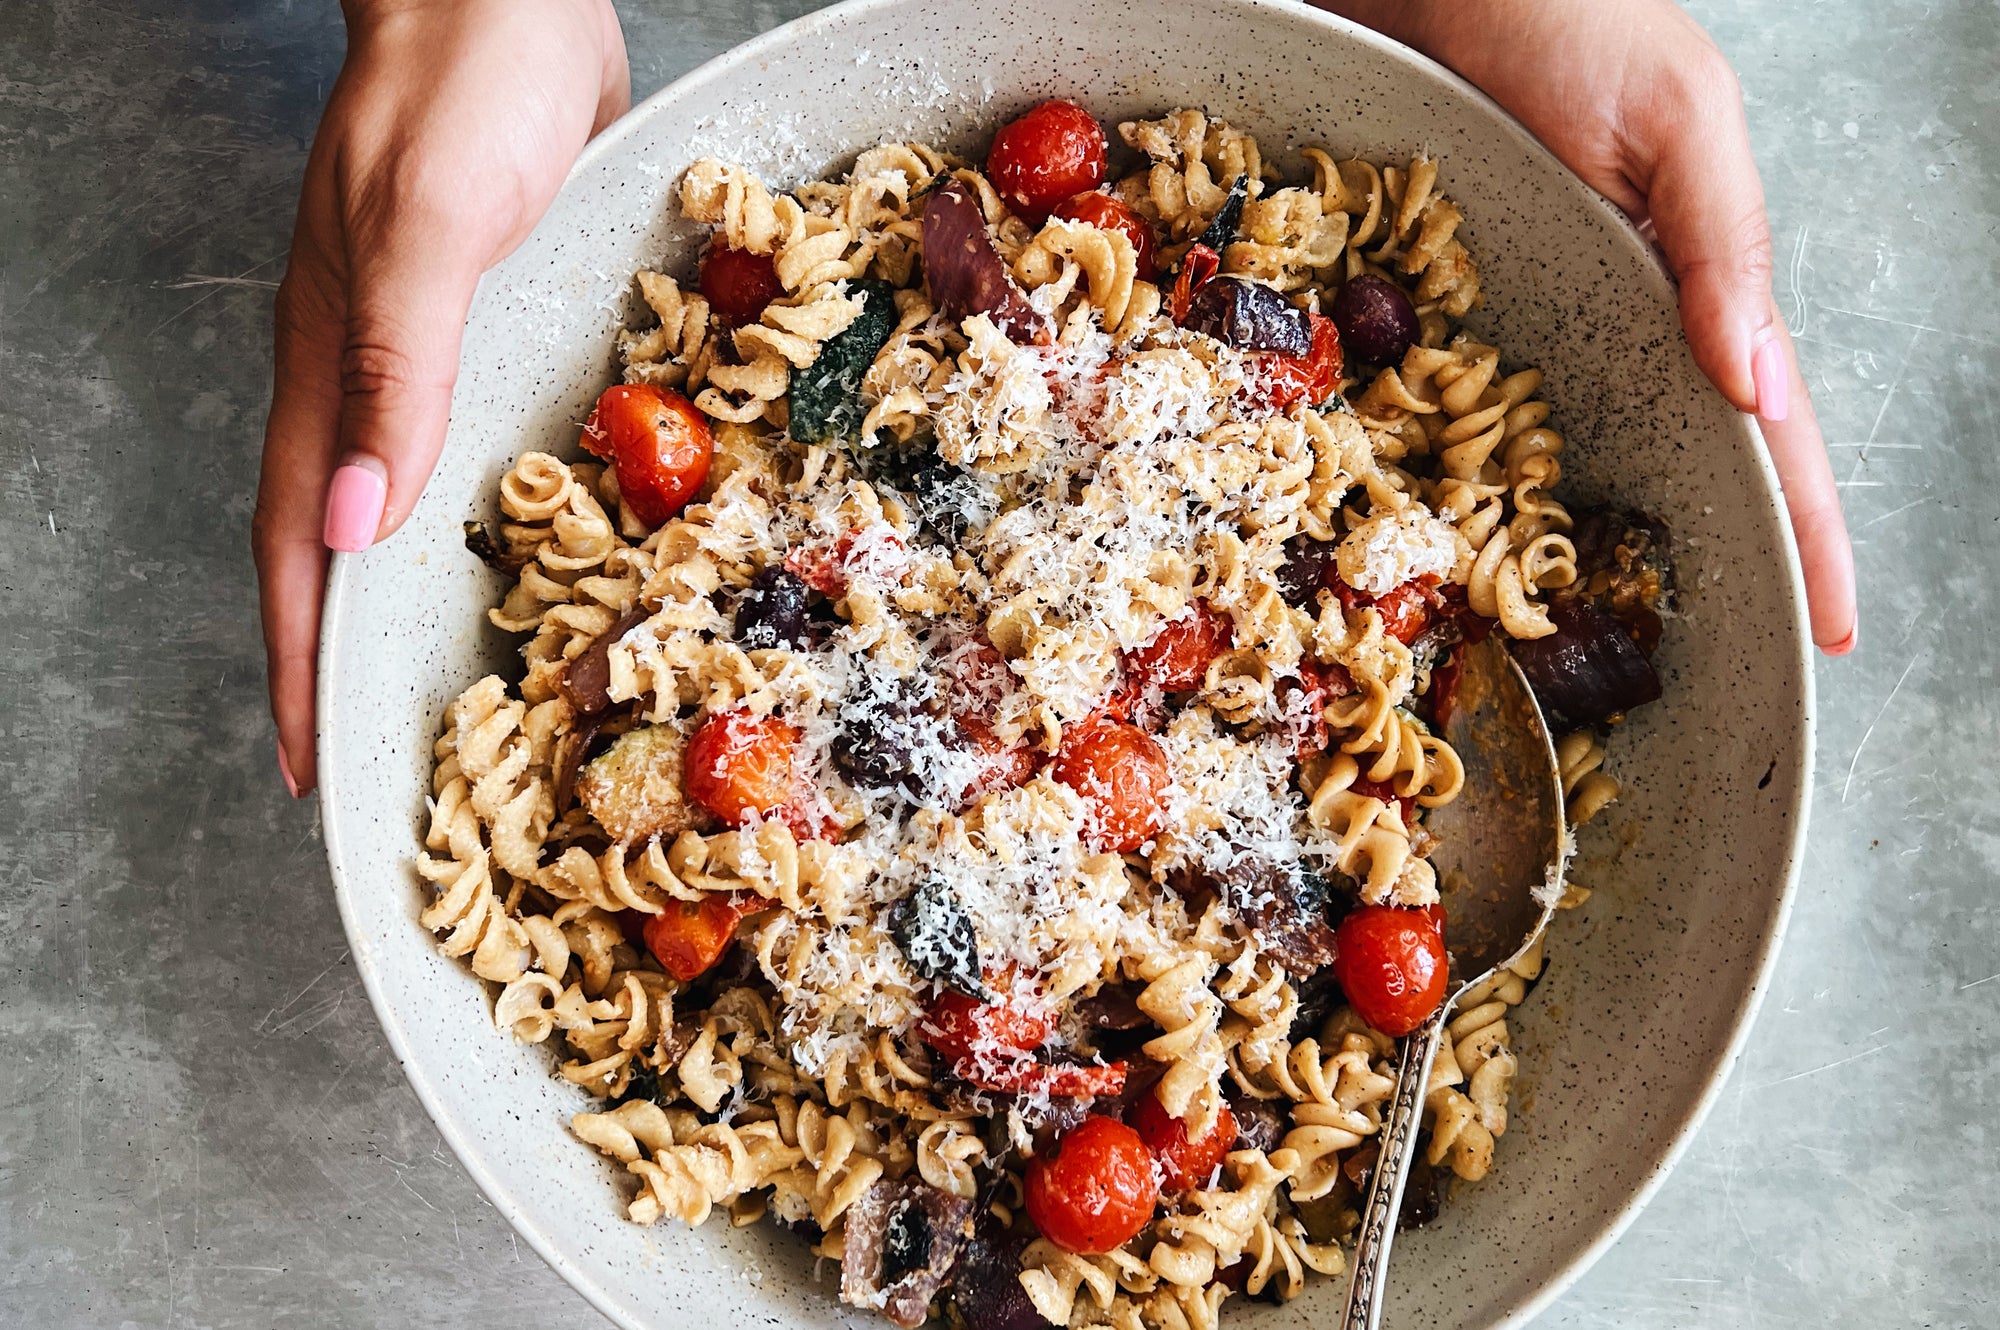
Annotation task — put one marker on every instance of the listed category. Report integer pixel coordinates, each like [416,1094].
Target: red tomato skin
[1184,1163]
[1121,772]
[690,936]
[658,441]
[1405,609]
[1283,380]
[1003,766]
[1179,655]
[738,284]
[1096,1191]
[1391,965]
[1027,1076]
[968,1030]
[1383,790]
[1054,151]
[740,764]
[1109,214]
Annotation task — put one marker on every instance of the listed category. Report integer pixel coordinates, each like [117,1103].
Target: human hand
[1636,99]
[446,137]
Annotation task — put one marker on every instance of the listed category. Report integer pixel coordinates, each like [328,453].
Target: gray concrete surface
[200,1125]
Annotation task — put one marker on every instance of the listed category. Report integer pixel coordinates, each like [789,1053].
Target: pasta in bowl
[961,796]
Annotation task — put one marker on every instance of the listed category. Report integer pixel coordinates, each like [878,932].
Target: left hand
[1636,99]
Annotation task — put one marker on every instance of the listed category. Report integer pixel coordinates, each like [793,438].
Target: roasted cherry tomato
[1383,790]
[740,763]
[1024,1075]
[1053,152]
[1003,766]
[1282,380]
[964,1028]
[1405,609]
[1121,772]
[690,936]
[1184,1163]
[1391,964]
[1179,655]
[1197,265]
[658,441]
[1109,214]
[1096,1191]
[737,283]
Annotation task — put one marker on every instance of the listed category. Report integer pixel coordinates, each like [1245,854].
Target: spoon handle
[1397,1147]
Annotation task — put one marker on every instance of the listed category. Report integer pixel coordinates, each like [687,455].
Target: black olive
[772,611]
[1377,322]
[1250,317]
[1308,566]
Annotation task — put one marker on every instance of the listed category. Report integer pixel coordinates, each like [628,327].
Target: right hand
[449,130]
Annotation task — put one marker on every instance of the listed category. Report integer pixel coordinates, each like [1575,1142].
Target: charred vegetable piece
[1308,566]
[986,1291]
[1260,1124]
[967,276]
[1377,322]
[634,789]
[825,396]
[937,937]
[902,1240]
[1250,317]
[1589,669]
[1221,229]
[951,501]
[492,553]
[906,1247]
[586,681]
[1623,567]
[772,611]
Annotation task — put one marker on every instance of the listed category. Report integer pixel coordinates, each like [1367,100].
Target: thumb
[406,311]
[1706,206]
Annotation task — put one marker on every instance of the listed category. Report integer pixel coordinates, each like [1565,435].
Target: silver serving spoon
[1500,870]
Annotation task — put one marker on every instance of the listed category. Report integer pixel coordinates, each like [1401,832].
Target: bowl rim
[1715,1074]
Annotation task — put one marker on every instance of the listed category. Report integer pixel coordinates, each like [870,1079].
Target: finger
[1706,206]
[409,288]
[300,440]
[1799,455]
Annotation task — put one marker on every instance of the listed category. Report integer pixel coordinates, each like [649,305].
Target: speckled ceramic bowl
[1652,984]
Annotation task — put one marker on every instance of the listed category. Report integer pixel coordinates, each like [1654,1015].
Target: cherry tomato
[1282,380]
[1054,151]
[658,441]
[1405,609]
[1063,1080]
[1383,790]
[1197,266]
[692,935]
[1110,214]
[737,283]
[1002,766]
[1179,655]
[1184,1163]
[1121,772]
[968,1030]
[740,763]
[1097,1190]
[1391,964]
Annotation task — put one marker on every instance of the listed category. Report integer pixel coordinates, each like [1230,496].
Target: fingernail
[1773,381]
[285,770]
[354,508]
[1844,645]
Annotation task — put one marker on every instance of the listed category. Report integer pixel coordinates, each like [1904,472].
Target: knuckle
[373,364]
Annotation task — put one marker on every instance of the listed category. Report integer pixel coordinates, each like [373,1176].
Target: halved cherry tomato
[1405,609]
[1071,1080]
[968,1030]
[1054,151]
[1121,772]
[1383,790]
[1197,265]
[740,763]
[737,283]
[1282,380]
[1179,655]
[1184,1163]
[1304,701]
[1109,214]
[1096,1191]
[828,569]
[1391,964]
[658,441]
[1003,766]
[690,936]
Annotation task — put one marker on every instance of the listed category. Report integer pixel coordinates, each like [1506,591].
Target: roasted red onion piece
[1589,669]
[966,273]
[1250,317]
[1377,322]
[586,681]
[986,1290]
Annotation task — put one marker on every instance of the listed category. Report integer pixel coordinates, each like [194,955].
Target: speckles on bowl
[1654,976]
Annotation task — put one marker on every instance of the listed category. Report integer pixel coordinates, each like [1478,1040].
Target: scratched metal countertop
[200,1122]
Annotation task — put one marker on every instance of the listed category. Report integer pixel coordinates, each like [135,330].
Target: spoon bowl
[1505,847]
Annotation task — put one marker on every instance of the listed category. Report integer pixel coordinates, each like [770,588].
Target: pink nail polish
[285,770]
[354,508]
[1773,381]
